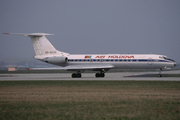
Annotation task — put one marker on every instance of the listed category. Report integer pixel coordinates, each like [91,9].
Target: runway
[91,76]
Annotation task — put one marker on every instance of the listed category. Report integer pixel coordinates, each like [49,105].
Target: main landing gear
[99,74]
[76,75]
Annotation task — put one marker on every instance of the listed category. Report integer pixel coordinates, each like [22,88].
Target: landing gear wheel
[76,75]
[73,75]
[159,75]
[99,74]
[102,74]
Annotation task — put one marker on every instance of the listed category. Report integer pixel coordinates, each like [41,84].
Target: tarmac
[137,76]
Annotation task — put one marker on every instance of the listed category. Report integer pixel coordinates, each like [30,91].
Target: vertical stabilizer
[41,44]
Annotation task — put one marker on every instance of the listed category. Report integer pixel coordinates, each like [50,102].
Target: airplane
[46,52]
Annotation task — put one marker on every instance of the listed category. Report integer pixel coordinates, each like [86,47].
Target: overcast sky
[91,26]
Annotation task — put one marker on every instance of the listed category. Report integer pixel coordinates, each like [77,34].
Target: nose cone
[175,64]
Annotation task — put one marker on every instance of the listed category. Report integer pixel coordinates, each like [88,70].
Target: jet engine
[56,60]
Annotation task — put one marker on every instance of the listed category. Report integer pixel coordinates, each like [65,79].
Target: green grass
[86,100]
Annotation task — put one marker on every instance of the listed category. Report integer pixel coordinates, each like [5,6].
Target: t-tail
[44,50]
[41,44]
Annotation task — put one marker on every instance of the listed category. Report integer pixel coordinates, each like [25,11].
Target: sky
[91,26]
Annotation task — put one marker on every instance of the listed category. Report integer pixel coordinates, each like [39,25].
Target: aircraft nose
[175,64]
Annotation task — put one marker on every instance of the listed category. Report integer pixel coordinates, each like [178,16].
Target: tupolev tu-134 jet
[46,52]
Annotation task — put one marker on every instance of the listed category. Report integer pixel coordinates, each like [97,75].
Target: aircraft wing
[77,67]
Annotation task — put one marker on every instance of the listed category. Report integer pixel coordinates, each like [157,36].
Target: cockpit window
[166,58]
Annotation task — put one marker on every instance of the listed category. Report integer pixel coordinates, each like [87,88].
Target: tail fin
[41,44]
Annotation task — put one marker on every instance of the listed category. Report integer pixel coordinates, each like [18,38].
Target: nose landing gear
[160,75]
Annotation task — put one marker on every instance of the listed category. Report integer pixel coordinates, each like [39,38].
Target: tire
[97,74]
[78,75]
[102,74]
[74,75]
[159,75]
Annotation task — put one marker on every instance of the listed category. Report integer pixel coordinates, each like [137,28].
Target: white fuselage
[121,61]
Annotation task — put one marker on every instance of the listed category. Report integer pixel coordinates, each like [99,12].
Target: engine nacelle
[56,60]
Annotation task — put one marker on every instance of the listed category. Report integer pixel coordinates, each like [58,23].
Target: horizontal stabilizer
[30,34]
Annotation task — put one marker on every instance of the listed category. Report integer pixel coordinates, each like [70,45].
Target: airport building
[12,68]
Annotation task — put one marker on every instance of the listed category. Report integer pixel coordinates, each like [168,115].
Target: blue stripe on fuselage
[116,60]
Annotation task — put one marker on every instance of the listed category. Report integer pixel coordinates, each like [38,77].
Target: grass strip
[79,100]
